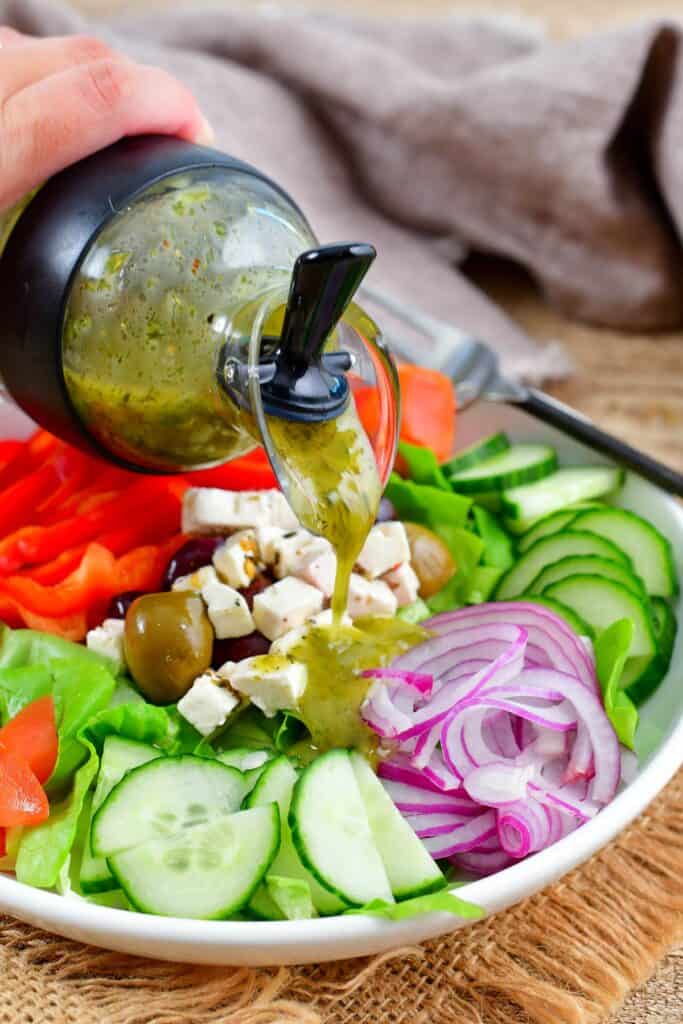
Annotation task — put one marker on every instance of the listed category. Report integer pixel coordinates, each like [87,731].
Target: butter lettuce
[611,651]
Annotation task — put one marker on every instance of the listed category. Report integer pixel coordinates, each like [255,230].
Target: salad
[186,731]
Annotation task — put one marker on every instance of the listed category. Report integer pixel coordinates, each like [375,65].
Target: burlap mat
[566,956]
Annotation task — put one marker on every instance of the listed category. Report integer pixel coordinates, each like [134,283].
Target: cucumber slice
[552,523]
[118,757]
[577,565]
[207,871]
[248,761]
[162,798]
[647,548]
[640,681]
[331,832]
[410,868]
[549,550]
[276,785]
[521,464]
[601,602]
[475,453]
[565,487]
[579,625]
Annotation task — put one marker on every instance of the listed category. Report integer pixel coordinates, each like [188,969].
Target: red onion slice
[463,838]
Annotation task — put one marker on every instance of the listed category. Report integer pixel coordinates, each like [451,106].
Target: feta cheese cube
[227,610]
[236,559]
[285,605]
[370,597]
[206,705]
[404,583]
[312,559]
[266,539]
[272,682]
[320,571]
[385,548]
[107,640]
[324,618]
[211,510]
[285,643]
[196,580]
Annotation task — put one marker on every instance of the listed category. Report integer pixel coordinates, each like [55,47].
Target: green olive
[168,642]
[430,558]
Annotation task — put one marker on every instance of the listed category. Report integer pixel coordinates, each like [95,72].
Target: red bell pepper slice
[32,454]
[57,569]
[32,735]
[252,472]
[22,798]
[91,581]
[8,451]
[70,627]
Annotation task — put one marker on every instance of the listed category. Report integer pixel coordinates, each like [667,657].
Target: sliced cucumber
[248,761]
[591,565]
[415,612]
[579,625]
[647,548]
[162,798]
[521,464]
[641,680]
[478,452]
[601,602]
[331,832]
[565,487]
[207,871]
[276,785]
[118,757]
[549,550]
[410,868]
[552,523]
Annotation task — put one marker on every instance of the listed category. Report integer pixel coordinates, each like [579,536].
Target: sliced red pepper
[91,581]
[32,735]
[19,501]
[252,472]
[70,627]
[143,567]
[8,451]
[33,452]
[36,544]
[58,568]
[22,798]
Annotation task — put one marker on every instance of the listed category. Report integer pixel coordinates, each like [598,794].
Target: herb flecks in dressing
[334,657]
[334,486]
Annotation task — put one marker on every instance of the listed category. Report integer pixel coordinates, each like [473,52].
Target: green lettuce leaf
[30,647]
[482,583]
[423,466]
[45,848]
[80,691]
[145,723]
[292,897]
[498,548]
[429,506]
[466,549]
[611,651]
[442,901]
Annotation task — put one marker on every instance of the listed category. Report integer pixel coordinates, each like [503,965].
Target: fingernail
[206,135]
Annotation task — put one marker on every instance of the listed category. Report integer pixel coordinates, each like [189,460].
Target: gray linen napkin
[433,136]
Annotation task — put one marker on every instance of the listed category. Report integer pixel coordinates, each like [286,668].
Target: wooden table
[630,383]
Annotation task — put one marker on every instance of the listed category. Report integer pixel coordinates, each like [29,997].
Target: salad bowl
[659,746]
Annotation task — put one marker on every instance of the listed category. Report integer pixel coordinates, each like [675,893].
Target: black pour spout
[301,382]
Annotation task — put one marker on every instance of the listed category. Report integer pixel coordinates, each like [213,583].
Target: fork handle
[545,408]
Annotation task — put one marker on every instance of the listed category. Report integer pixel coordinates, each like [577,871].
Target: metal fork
[474,369]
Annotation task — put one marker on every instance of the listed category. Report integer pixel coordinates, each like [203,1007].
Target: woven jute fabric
[568,955]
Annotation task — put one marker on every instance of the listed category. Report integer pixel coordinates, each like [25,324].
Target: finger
[21,65]
[70,115]
[10,37]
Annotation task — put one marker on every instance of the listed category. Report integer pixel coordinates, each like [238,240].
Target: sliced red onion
[546,629]
[413,800]
[483,863]
[523,828]
[464,837]
[497,784]
[426,825]
[499,734]
[493,641]
[418,680]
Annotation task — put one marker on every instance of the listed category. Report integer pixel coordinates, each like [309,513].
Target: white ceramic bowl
[660,748]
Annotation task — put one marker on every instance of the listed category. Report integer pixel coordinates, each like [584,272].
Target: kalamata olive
[168,642]
[259,583]
[119,605]
[195,552]
[385,512]
[430,558]
[239,648]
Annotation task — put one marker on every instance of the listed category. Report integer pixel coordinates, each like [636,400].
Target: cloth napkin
[433,136]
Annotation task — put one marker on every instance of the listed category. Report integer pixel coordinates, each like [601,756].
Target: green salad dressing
[335,656]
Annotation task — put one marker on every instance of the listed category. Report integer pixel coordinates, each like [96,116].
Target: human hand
[62,99]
